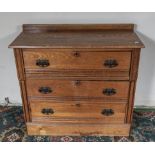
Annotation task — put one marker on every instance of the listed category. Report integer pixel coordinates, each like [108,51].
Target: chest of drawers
[77,79]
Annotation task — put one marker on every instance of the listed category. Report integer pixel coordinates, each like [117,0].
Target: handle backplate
[110,63]
[42,62]
[107,112]
[47,111]
[45,90]
[109,91]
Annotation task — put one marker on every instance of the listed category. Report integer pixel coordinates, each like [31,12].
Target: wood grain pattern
[134,64]
[72,67]
[19,63]
[133,78]
[78,110]
[131,101]
[80,75]
[37,28]
[68,88]
[66,59]
[78,130]
[112,38]
[21,77]
[26,108]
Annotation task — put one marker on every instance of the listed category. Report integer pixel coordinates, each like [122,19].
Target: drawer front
[58,59]
[59,129]
[78,111]
[67,88]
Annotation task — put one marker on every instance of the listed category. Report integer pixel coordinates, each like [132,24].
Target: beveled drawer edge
[86,78]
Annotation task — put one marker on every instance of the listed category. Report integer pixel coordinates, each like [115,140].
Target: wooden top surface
[77,36]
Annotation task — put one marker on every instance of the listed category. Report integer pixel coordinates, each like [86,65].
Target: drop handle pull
[45,90]
[109,91]
[47,111]
[107,112]
[110,63]
[42,62]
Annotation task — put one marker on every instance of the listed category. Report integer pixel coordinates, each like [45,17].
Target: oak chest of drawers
[77,79]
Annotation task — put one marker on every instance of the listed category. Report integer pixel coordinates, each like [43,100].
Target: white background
[11,26]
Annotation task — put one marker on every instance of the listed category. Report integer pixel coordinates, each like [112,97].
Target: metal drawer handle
[109,91]
[76,54]
[45,90]
[47,111]
[107,112]
[42,62]
[110,63]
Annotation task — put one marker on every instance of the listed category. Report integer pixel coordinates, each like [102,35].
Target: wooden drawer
[78,112]
[76,89]
[61,129]
[68,59]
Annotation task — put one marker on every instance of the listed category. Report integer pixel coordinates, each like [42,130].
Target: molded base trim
[78,130]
